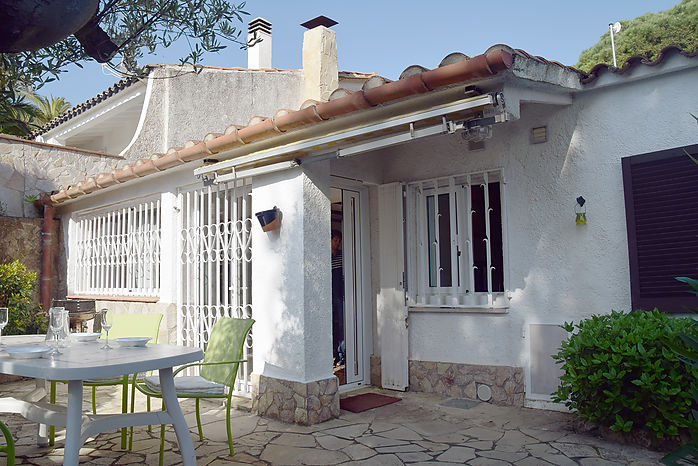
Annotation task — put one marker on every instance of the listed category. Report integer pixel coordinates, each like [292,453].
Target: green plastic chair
[125,325]
[9,447]
[218,371]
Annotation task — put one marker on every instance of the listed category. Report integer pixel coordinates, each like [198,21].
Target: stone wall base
[375,370]
[302,403]
[463,381]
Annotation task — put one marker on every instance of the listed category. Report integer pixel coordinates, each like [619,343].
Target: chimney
[320,72]
[259,44]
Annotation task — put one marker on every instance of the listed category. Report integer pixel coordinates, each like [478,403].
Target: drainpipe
[47,240]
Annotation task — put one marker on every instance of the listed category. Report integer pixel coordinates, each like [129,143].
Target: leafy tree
[47,108]
[646,36]
[16,114]
[136,27]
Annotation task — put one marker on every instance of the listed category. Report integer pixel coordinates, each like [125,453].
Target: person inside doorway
[337,299]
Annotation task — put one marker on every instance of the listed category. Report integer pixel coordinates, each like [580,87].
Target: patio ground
[419,429]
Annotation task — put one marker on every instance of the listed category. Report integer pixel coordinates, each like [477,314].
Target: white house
[455,190]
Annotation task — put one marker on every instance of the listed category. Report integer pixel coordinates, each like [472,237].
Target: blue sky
[386,36]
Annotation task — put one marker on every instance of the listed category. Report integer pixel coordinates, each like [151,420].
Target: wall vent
[539,135]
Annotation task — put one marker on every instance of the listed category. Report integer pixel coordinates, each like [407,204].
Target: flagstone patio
[419,429]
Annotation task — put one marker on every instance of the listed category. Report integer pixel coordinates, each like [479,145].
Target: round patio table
[82,361]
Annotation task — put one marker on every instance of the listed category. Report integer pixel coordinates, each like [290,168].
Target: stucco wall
[28,168]
[185,105]
[558,271]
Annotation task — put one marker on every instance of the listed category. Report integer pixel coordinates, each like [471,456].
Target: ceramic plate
[85,336]
[27,352]
[132,341]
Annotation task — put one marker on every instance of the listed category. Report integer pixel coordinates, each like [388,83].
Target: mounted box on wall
[269,219]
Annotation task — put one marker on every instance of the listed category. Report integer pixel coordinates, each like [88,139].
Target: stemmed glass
[4,314]
[107,320]
[56,321]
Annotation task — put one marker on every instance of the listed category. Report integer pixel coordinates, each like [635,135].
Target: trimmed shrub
[620,374]
[16,289]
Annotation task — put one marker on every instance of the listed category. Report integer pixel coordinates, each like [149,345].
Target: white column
[291,276]
[169,254]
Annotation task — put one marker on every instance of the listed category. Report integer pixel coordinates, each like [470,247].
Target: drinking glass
[107,320]
[56,321]
[4,314]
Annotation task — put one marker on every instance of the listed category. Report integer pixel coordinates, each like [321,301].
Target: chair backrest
[135,325]
[225,343]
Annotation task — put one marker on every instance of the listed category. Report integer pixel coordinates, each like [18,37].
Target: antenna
[614,27]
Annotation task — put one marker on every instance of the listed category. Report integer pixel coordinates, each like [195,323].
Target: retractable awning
[471,115]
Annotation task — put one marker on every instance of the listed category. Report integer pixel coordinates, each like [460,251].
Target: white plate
[85,336]
[27,352]
[132,341]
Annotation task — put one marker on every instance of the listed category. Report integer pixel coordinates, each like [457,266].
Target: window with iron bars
[455,241]
[118,251]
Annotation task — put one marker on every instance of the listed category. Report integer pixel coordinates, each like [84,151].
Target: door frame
[365,276]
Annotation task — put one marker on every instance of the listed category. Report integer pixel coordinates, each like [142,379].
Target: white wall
[558,270]
[291,276]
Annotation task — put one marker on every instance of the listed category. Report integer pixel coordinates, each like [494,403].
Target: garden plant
[620,374]
[16,291]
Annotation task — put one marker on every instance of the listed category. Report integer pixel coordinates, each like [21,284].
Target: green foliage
[47,108]
[16,288]
[136,27]
[620,374]
[646,35]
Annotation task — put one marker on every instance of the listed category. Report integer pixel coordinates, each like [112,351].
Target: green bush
[16,289]
[619,373]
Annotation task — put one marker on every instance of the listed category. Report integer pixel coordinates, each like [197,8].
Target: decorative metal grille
[118,252]
[458,231]
[216,255]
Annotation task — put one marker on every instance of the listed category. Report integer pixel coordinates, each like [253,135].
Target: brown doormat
[359,403]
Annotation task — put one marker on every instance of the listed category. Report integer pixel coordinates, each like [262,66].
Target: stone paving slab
[417,430]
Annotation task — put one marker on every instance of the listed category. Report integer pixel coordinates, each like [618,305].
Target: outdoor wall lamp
[581,211]
[269,219]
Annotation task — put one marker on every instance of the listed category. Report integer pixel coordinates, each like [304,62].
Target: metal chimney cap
[259,24]
[319,21]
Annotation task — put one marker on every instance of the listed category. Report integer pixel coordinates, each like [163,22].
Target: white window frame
[117,250]
[460,294]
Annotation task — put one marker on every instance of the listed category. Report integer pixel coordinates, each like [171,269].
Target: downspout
[47,240]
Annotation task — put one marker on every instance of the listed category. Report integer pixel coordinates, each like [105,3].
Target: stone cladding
[295,402]
[462,381]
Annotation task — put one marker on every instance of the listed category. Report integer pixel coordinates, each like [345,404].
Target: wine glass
[4,314]
[107,320]
[56,321]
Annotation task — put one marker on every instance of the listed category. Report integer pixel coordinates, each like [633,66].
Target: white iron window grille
[118,251]
[455,240]
[215,258]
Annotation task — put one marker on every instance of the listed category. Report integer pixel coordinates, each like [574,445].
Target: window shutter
[661,201]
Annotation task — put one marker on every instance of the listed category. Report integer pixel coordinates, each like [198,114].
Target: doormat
[360,403]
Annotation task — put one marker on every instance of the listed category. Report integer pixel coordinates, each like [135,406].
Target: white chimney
[320,72]
[259,44]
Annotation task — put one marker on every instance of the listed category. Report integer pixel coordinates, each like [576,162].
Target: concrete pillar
[291,296]
[320,72]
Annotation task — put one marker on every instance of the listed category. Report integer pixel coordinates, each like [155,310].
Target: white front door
[349,283]
[353,335]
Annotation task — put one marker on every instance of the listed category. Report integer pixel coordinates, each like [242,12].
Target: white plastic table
[82,361]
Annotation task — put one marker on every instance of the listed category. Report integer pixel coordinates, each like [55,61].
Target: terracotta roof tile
[454,69]
[80,108]
[635,60]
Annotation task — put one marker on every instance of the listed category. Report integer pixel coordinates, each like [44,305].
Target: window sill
[130,299]
[474,309]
